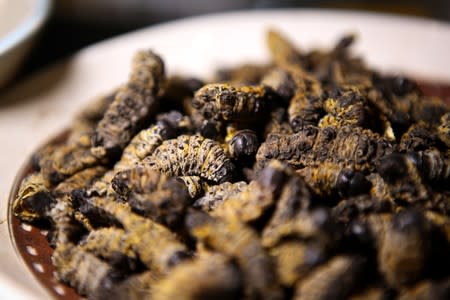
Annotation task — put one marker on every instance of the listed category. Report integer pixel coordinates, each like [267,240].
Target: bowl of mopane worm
[308,175]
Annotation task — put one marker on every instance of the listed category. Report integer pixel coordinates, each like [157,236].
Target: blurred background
[74,24]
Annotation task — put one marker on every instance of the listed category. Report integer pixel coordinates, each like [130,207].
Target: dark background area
[74,24]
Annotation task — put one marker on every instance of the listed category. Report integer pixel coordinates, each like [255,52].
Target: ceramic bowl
[20,22]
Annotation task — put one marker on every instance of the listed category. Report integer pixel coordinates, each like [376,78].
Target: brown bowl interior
[31,242]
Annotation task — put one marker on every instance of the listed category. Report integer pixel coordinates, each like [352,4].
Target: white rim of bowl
[27,28]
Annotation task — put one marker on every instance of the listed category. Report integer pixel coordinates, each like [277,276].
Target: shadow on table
[34,85]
